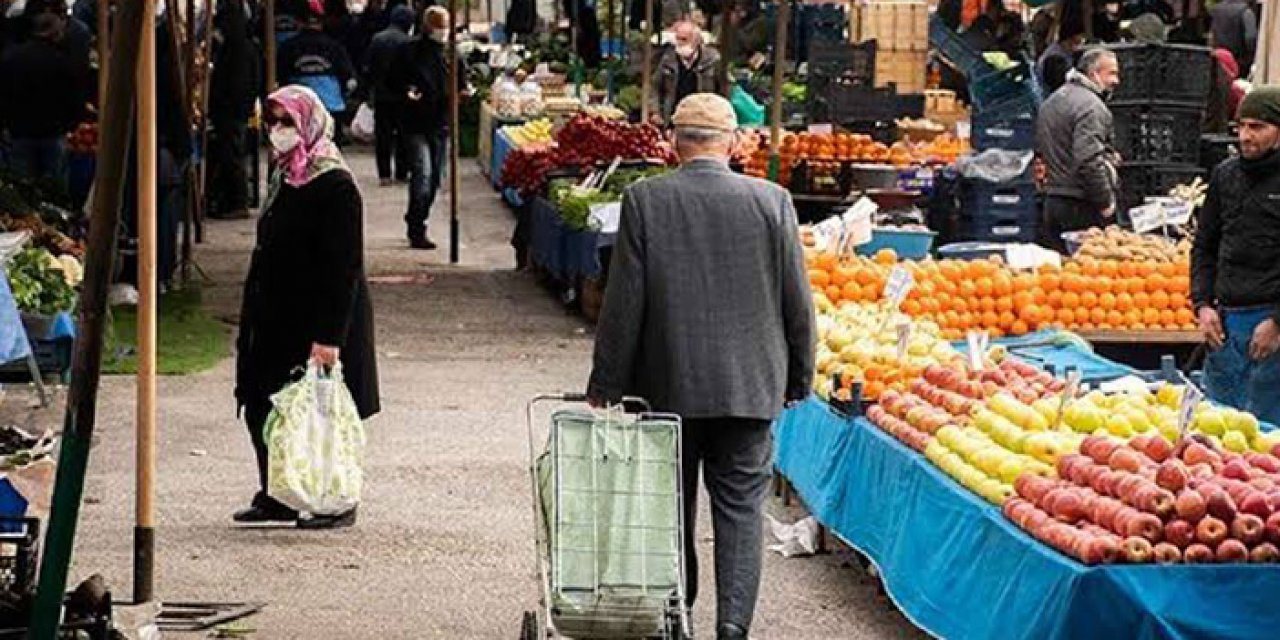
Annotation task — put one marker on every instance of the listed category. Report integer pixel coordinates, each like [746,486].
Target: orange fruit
[873,389]
[1004,303]
[1184,316]
[1002,284]
[1089,267]
[1066,316]
[984,286]
[1007,319]
[1070,300]
[1102,285]
[1167,269]
[851,291]
[1018,328]
[1089,299]
[1097,315]
[1160,300]
[1107,301]
[1168,317]
[1055,299]
[1030,314]
[1150,316]
[1132,318]
[1038,296]
[1022,299]
[819,278]
[990,319]
[1128,269]
[1141,300]
[1109,268]
[887,257]
[1050,282]
[987,304]
[967,289]
[1124,301]
[1144,269]
[960,304]
[835,294]
[1119,286]
[1155,282]
[1115,318]
[912,308]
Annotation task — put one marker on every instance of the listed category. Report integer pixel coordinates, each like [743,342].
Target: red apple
[1257,504]
[1158,449]
[1158,501]
[1165,553]
[1068,462]
[1236,469]
[1198,554]
[1139,444]
[1275,450]
[1106,511]
[1248,528]
[1180,533]
[1232,551]
[1263,461]
[1095,476]
[1273,528]
[1221,506]
[1173,475]
[1049,504]
[1201,470]
[1144,525]
[1100,550]
[1211,531]
[1125,459]
[1034,487]
[1263,484]
[1068,508]
[1137,550]
[1190,506]
[1265,553]
[1101,449]
[1196,453]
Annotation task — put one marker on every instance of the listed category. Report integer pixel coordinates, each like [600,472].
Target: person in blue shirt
[318,62]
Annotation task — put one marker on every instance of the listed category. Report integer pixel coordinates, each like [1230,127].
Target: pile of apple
[1147,501]
[859,343]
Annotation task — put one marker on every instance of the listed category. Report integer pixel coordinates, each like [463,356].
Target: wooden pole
[646,70]
[269,41]
[104,52]
[454,226]
[726,43]
[144,530]
[86,364]
[779,69]
[613,27]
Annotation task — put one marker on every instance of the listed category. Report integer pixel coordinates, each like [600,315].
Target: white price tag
[977,341]
[1068,394]
[821,129]
[1191,397]
[898,286]
[1147,217]
[904,338]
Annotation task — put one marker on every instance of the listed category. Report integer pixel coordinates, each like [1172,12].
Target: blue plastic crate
[949,45]
[996,131]
[912,245]
[1013,88]
[1021,227]
[980,198]
[12,505]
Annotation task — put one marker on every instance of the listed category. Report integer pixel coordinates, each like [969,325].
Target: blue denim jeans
[426,172]
[1233,379]
[38,157]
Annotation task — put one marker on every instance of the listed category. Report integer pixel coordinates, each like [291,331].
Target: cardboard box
[906,69]
[895,25]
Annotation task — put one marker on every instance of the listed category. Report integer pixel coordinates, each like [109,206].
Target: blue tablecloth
[1045,347]
[13,336]
[502,145]
[565,253]
[958,569]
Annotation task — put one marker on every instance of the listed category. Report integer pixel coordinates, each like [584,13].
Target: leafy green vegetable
[38,285]
[628,98]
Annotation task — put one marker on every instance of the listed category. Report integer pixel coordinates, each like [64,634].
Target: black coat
[40,94]
[307,285]
[1233,260]
[421,64]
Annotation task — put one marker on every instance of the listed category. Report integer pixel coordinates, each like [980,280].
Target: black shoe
[421,242]
[340,521]
[260,511]
[730,631]
[238,214]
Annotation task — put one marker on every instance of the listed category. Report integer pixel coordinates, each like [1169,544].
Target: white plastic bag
[315,445]
[362,125]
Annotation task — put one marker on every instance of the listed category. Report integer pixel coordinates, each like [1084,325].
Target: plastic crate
[971,251]
[1015,88]
[1168,135]
[999,227]
[1167,74]
[980,198]
[949,45]
[912,245]
[1138,181]
[992,130]
[53,357]
[850,63]
[19,554]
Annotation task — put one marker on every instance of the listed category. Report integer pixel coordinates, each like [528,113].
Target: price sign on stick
[977,341]
[904,337]
[897,287]
[1191,397]
[1147,217]
[1068,394]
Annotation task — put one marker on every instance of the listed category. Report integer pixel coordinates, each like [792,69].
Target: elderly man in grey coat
[709,315]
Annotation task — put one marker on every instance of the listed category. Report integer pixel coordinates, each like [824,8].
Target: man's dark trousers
[389,140]
[735,456]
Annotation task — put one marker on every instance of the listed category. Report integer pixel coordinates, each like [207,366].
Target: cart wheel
[529,626]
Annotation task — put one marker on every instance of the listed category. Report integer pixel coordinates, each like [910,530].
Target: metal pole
[646,69]
[81,412]
[613,27]
[144,530]
[454,226]
[104,52]
[269,41]
[779,62]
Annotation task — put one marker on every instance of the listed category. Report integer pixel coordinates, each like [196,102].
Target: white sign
[1147,217]
[1191,398]
[606,216]
[1068,394]
[898,286]
[904,338]
[821,129]
[977,341]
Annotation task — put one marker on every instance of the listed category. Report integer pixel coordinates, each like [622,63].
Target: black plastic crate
[1169,74]
[1138,181]
[994,130]
[1012,199]
[954,49]
[1167,135]
[842,62]
[1003,91]
[1023,228]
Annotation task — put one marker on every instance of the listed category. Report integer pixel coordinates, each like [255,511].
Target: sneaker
[340,521]
[421,242]
[730,631]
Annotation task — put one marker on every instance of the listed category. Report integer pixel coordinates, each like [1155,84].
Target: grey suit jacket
[707,312]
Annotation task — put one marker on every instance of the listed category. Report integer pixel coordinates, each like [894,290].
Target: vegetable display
[583,142]
[41,284]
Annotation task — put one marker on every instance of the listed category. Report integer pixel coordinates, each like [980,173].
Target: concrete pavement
[444,543]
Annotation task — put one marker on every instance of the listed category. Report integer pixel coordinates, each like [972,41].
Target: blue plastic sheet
[958,569]
[13,337]
[502,145]
[1046,348]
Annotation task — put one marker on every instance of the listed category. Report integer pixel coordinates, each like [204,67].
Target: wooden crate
[906,69]
[897,25]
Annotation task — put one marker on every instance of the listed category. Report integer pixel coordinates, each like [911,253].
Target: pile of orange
[1085,294]
[850,147]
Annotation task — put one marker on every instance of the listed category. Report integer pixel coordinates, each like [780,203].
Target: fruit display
[1114,243]
[1145,501]
[859,343]
[583,142]
[959,295]
[851,147]
[533,132]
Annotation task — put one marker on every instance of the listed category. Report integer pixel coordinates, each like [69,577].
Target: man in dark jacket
[318,62]
[388,103]
[724,354]
[40,98]
[1056,61]
[1235,277]
[233,89]
[1073,138]
[420,74]
[687,68]
[1235,28]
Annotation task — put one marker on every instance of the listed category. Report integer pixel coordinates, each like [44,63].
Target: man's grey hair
[1091,59]
[700,135]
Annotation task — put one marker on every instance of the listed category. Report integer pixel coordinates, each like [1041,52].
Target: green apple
[1138,420]
[1235,441]
[1211,422]
[1169,395]
[1245,423]
[1119,425]
[1011,468]
[1266,441]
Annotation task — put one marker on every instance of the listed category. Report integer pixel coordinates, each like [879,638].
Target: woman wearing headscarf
[306,298]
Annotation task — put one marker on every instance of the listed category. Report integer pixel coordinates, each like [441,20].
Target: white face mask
[440,35]
[686,51]
[284,139]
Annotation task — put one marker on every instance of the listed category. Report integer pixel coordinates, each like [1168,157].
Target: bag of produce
[750,113]
[315,445]
[362,125]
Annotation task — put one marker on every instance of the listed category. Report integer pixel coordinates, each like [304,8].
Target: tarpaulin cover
[1062,350]
[958,569]
[502,145]
[13,337]
[565,253]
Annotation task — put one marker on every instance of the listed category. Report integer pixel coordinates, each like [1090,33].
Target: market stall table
[957,568]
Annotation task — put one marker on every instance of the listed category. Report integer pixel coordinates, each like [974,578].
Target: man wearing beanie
[1235,275]
[708,315]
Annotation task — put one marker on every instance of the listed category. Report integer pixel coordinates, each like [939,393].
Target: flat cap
[706,110]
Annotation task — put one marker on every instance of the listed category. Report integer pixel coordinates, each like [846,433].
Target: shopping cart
[609,523]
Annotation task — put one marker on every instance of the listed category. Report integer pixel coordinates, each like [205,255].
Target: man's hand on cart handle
[1211,327]
[1266,339]
[324,355]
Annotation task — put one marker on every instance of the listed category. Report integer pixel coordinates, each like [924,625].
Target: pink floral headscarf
[316,153]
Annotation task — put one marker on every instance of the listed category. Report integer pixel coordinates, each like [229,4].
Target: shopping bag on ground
[362,125]
[315,445]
